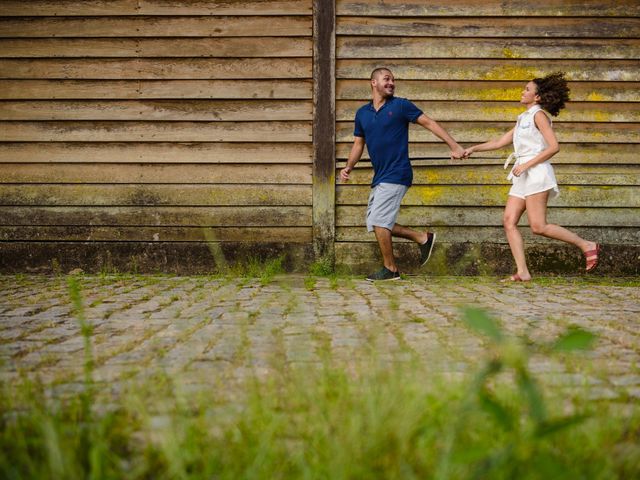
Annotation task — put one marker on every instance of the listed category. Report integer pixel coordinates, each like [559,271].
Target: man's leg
[384,203]
[405,232]
[425,240]
[383,235]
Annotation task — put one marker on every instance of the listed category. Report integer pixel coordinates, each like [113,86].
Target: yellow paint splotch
[511,72]
[601,116]
[499,94]
[595,97]
[508,53]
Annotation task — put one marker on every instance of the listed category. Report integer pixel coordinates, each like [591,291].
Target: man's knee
[384,231]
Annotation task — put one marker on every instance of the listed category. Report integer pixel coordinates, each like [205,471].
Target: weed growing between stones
[254,267]
[310,283]
[251,267]
[322,268]
[366,419]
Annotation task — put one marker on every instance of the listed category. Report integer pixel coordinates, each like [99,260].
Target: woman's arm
[503,141]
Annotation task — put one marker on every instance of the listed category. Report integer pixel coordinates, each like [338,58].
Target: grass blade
[478,320]
[574,339]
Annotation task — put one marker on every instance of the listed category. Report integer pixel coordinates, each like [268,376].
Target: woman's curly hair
[553,92]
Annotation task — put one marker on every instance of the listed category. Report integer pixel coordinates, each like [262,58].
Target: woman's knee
[538,228]
[510,222]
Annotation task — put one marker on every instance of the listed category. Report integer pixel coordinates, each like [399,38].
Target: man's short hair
[379,69]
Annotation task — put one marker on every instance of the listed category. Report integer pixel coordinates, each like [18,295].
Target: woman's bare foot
[516,277]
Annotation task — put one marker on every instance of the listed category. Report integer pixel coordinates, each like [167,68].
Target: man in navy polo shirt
[383,124]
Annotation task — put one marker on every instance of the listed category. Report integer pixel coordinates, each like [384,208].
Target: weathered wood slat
[155,195]
[483,48]
[155,7]
[244,89]
[153,89]
[299,89]
[457,8]
[581,153]
[146,47]
[226,7]
[279,153]
[156,131]
[549,27]
[491,216]
[505,111]
[487,90]
[157,68]
[501,70]
[494,195]
[237,216]
[69,7]
[205,26]
[467,132]
[617,235]
[155,234]
[187,110]
[465,174]
[154,173]
[213,152]
[254,110]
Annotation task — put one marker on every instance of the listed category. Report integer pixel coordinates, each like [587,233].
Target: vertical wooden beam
[324,128]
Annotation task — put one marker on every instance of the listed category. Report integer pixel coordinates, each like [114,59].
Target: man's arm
[433,126]
[354,157]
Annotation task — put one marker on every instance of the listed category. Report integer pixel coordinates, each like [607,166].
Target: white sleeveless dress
[527,143]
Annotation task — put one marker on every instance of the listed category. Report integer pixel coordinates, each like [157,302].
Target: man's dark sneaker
[426,248]
[384,274]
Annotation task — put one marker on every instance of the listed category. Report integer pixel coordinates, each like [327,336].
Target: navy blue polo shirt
[386,133]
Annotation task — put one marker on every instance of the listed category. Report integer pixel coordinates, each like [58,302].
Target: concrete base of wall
[162,257]
[360,258]
[491,259]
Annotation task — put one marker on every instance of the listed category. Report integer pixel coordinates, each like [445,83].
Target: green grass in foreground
[320,424]
[365,420]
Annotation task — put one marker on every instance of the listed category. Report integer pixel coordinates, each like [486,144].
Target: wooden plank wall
[132,121]
[465,62]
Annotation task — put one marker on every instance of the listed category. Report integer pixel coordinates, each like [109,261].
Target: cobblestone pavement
[206,329]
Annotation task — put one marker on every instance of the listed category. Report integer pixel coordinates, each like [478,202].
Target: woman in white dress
[534,181]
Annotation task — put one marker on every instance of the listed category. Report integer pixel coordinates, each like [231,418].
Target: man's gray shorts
[384,205]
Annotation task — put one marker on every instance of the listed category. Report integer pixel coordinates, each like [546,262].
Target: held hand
[344,174]
[457,153]
[467,152]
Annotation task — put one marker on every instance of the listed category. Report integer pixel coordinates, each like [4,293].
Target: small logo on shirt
[390,112]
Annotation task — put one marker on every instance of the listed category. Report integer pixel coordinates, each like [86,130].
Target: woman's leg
[536,206]
[512,213]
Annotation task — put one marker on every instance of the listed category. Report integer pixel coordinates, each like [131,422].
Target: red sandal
[592,257]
